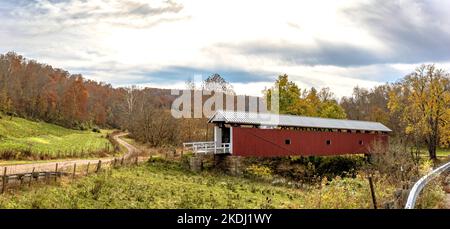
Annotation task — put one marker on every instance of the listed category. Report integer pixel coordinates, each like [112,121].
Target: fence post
[87,168]
[374,200]
[31,177]
[99,165]
[74,170]
[121,162]
[4,180]
[56,172]
[114,164]
[136,160]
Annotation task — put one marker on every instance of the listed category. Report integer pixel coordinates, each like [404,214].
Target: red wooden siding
[272,142]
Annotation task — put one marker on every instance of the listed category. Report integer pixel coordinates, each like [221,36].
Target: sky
[336,44]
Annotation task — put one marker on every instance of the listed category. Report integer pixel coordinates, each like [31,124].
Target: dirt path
[49,166]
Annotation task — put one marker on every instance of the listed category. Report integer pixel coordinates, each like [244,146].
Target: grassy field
[440,153]
[443,152]
[167,185]
[24,139]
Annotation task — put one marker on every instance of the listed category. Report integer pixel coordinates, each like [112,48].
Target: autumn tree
[309,102]
[372,105]
[423,100]
[323,104]
[288,96]
[75,101]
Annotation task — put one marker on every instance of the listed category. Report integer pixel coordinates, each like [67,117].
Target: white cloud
[318,43]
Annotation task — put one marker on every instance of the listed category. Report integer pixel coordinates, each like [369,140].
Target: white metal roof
[294,121]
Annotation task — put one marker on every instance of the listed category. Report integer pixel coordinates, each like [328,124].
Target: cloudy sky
[336,44]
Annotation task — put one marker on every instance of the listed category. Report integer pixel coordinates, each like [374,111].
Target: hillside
[24,139]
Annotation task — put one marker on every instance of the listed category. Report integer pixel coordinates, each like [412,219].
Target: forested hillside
[39,91]
[416,107]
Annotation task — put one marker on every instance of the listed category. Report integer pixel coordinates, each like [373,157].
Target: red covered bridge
[267,135]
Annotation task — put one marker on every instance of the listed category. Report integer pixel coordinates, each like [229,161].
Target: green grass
[42,140]
[167,185]
[443,152]
[440,153]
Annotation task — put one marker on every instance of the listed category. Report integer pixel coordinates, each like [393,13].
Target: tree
[423,101]
[331,109]
[369,105]
[309,103]
[288,96]
[75,101]
[217,83]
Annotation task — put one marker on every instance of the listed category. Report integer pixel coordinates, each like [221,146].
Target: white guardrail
[420,184]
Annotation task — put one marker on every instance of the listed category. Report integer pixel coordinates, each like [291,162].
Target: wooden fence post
[114,164]
[374,200]
[99,165]
[56,172]
[4,181]
[31,177]
[121,162]
[74,170]
[136,160]
[87,168]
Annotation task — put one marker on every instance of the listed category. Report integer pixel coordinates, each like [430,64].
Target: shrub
[259,171]
[342,166]
[96,130]
[394,161]
[432,196]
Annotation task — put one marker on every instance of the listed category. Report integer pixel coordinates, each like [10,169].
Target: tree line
[416,107]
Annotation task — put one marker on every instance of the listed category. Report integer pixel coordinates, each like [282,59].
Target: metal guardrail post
[420,184]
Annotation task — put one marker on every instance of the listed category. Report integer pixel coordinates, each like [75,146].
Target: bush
[11,114]
[342,166]
[83,127]
[309,169]
[259,172]
[394,161]
[432,196]
[96,130]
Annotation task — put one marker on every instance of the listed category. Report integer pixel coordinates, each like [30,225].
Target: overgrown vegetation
[23,139]
[306,169]
[402,169]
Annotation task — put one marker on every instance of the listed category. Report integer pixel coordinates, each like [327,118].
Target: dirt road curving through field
[51,166]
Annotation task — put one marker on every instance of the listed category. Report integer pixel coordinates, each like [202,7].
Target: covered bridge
[267,135]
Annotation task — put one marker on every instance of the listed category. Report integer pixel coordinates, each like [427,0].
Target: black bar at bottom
[206,218]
